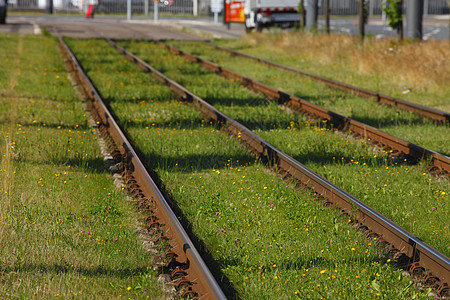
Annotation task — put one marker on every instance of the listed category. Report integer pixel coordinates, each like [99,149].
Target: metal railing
[112,6]
[350,7]
[146,7]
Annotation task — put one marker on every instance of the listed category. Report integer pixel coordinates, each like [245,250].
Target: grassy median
[406,194]
[268,239]
[417,72]
[403,124]
[65,229]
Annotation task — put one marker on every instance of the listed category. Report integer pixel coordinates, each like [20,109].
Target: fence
[337,7]
[146,7]
[350,7]
[114,6]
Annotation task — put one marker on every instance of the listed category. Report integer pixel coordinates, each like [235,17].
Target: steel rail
[194,269]
[430,113]
[438,160]
[422,257]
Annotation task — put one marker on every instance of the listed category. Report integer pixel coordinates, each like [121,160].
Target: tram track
[380,98]
[421,257]
[105,63]
[186,268]
[389,142]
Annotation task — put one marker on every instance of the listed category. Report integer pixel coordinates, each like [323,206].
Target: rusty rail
[341,122]
[427,112]
[422,257]
[186,266]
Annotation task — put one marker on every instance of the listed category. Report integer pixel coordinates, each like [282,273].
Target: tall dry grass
[420,65]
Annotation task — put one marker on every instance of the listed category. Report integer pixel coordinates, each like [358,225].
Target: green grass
[370,65]
[65,229]
[267,238]
[400,123]
[318,149]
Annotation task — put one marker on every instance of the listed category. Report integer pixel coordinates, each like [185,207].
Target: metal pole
[425,7]
[302,14]
[146,7]
[128,10]
[400,30]
[155,10]
[312,14]
[224,14]
[361,19]
[414,18]
[383,13]
[49,7]
[195,8]
[327,15]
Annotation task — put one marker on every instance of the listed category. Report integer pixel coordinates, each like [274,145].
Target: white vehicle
[266,13]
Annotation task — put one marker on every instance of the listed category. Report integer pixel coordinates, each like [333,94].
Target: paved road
[434,27]
[120,28]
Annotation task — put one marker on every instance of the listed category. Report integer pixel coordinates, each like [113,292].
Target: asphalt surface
[117,27]
[120,28]
[434,27]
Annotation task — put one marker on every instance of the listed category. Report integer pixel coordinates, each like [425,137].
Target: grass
[267,238]
[65,229]
[346,162]
[397,122]
[380,65]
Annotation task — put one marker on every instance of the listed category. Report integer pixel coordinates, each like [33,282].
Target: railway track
[186,267]
[387,141]
[427,112]
[421,258]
